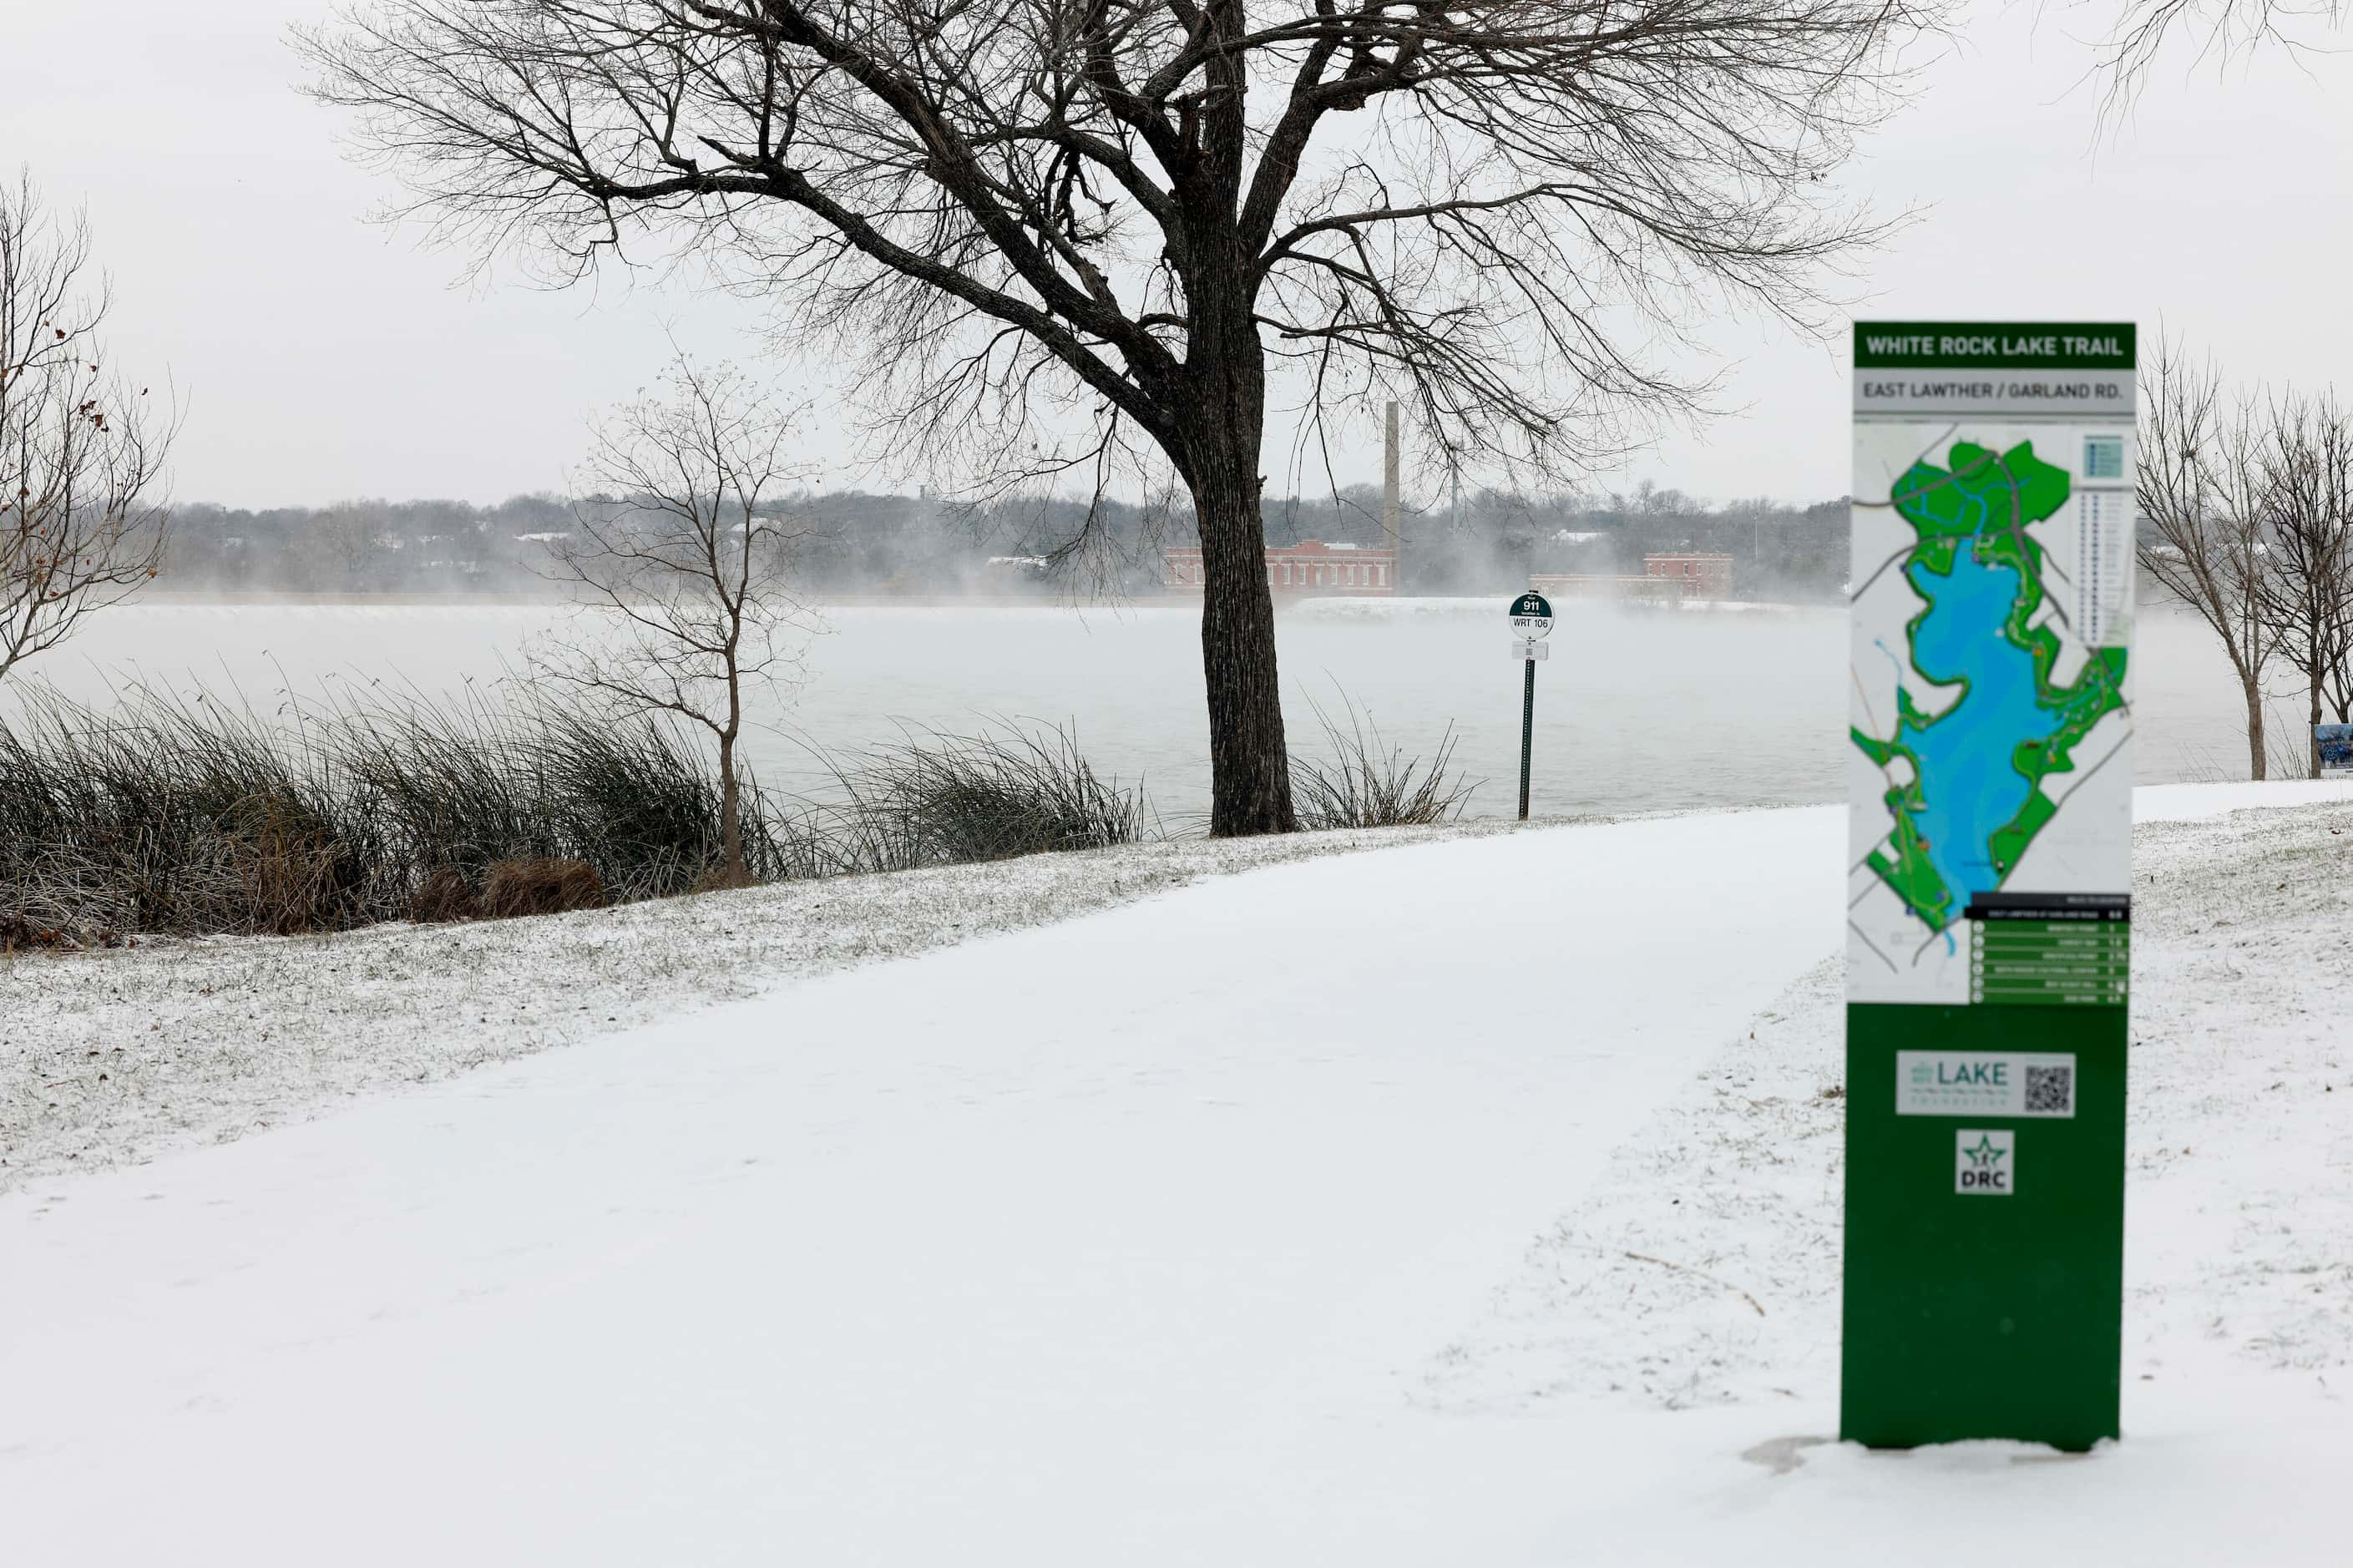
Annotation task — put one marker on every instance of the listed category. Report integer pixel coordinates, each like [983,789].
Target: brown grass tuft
[20,932]
[444,895]
[539,885]
[17,931]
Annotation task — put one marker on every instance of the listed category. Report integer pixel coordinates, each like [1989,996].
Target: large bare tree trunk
[1250,767]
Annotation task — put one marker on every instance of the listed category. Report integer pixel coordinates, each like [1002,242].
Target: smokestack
[1389,493]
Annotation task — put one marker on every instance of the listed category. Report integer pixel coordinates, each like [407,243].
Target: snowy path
[1079,1244]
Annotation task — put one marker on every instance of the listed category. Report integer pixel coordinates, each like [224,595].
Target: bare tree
[81,451]
[2221,30]
[2200,488]
[1104,234]
[679,559]
[2307,598]
[2340,673]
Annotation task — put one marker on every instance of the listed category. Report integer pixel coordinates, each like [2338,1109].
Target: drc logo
[1985,1162]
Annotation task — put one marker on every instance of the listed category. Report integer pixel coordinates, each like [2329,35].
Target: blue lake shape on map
[1974,803]
[1968,786]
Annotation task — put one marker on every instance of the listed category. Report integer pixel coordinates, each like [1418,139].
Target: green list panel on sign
[2044,963]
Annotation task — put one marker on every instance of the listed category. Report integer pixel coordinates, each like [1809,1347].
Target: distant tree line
[364,546]
[856,542]
[843,543]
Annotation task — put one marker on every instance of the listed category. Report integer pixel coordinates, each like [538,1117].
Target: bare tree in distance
[678,558]
[2200,489]
[2308,590]
[2339,674]
[81,449]
[1143,220]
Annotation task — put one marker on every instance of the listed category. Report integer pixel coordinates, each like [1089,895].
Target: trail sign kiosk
[1531,624]
[1989,882]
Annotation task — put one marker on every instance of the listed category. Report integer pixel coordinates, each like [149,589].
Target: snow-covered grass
[1473,1201]
[113,1057]
[1699,1275]
[1719,1227]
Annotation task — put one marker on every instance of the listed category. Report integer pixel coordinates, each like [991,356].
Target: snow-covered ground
[113,1058]
[1470,1202]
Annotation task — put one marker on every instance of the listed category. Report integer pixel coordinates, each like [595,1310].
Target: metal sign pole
[1530,616]
[1527,731]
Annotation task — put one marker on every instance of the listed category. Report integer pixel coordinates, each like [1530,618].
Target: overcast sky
[322,356]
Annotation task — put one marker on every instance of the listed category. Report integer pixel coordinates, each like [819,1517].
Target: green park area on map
[1974,800]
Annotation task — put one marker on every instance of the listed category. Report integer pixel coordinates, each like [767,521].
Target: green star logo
[1984,1155]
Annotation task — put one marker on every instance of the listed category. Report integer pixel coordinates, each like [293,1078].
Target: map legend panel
[2046,964]
[2103,562]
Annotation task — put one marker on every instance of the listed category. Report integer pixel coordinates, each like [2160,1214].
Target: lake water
[1635,710]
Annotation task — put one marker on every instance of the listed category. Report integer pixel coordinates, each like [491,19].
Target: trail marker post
[1531,624]
[1988,761]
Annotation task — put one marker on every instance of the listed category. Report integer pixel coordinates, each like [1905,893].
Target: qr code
[2051,1092]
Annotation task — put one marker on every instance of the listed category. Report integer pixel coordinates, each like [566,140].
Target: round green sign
[1532,615]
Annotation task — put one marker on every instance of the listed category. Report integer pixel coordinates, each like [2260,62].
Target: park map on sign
[1966,782]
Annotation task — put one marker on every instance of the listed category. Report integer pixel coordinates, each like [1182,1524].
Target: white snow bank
[2187,803]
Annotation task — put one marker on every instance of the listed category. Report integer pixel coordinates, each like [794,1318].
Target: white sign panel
[1985,1083]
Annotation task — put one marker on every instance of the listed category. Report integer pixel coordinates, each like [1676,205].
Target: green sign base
[1983,1251]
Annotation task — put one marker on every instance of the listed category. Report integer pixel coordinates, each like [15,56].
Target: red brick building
[1702,576]
[1310,567]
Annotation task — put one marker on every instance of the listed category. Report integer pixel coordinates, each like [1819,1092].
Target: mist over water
[1635,710]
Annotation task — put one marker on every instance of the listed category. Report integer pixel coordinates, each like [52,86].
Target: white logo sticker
[1985,1162]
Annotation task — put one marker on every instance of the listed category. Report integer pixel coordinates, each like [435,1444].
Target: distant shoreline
[509,597]
[1342,604]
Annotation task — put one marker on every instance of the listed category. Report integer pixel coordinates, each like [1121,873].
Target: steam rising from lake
[1637,709]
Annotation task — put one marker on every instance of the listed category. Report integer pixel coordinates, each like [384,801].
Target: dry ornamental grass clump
[539,885]
[445,894]
[1369,785]
[187,815]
